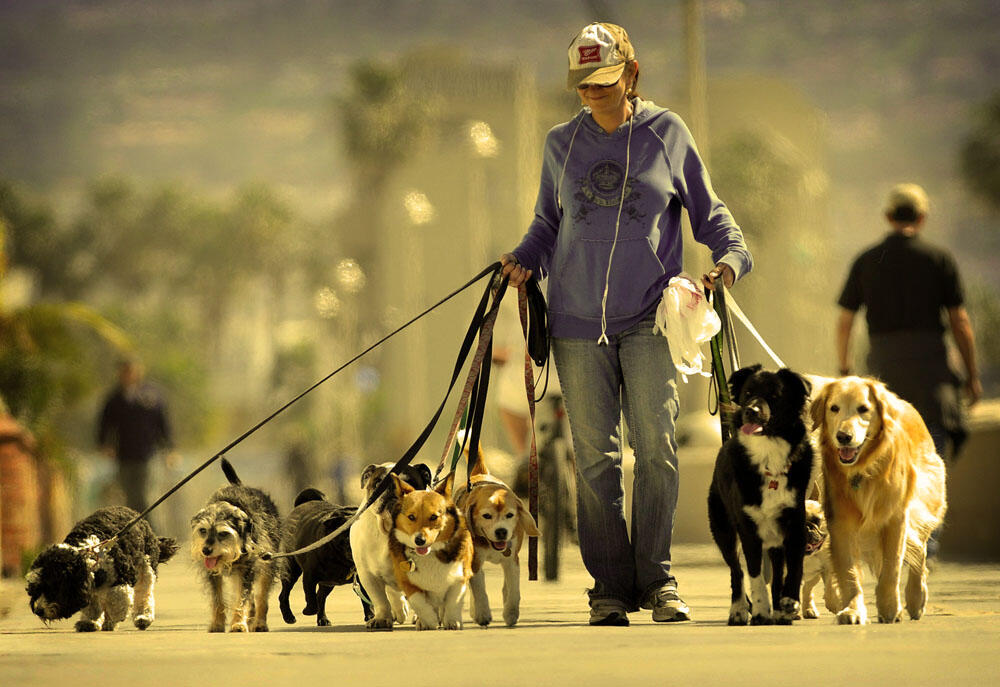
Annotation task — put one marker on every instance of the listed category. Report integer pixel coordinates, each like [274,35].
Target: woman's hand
[728,276]
[512,269]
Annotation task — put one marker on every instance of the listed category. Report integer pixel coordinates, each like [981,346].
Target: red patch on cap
[589,53]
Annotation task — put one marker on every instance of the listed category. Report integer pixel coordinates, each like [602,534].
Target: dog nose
[207,550]
[500,533]
[843,437]
[419,540]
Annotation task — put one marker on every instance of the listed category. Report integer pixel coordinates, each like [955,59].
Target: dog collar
[773,484]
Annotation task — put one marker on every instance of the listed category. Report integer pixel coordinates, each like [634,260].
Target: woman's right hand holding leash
[512,269]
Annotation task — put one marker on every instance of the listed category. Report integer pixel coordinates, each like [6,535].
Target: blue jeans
[634,374]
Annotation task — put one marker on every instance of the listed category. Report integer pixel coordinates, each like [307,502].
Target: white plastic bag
[688,320]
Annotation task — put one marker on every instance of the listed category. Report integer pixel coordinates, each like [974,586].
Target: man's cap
[907,196]
[598,55]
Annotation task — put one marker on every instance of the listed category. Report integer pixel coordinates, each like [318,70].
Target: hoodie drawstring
[621,203]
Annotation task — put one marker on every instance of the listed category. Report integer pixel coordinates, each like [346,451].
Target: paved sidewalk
[954,644]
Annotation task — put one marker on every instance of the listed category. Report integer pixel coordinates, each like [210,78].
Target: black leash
[725,337]
[492,270]
[476,327]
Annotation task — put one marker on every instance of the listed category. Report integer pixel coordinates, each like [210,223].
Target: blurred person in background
[133,425]
[907,286]
[607,233]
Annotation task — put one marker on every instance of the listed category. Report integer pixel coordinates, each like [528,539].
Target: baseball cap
[598,55]
[907,197]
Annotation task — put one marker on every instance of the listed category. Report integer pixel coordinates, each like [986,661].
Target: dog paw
[143,621]
[889,618]
[761,620]
[849,616]
[421,625]
[811,613]
[309,610]
[288,616]
[323,622]
[483,618]
[239,627]
[379,624]
[108,627]
[739,613]
[510,617]
[262,627]
[87,626]
[788,611]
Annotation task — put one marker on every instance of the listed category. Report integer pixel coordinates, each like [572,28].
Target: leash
[724,303]
[529,391]
[724,338]
[481,321]
[492,270]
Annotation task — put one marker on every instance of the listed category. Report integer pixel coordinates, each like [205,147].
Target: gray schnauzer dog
[104,583]
[228,536]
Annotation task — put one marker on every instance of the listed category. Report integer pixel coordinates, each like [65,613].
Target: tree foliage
[980,153]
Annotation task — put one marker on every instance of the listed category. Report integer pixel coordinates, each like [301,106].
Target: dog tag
[506,552]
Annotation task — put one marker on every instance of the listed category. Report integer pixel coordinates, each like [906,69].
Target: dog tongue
[211,562]
[422,550]
[750,428]
[498,545]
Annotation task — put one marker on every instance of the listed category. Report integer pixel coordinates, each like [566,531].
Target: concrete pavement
[956,643]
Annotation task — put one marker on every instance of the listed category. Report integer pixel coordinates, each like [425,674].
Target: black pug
[105,584]
[312,518]
[758,493]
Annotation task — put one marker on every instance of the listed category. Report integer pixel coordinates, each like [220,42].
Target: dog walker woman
[607,234]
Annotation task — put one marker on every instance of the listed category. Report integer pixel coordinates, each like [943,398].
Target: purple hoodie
[573,234]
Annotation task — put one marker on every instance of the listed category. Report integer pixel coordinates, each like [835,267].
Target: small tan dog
[431,550]
[499,523]
[817,564]
[884,493]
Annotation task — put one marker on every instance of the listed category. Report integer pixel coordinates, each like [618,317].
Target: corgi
[431,549]
[499,523]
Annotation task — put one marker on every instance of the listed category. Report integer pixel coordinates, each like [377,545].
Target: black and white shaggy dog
[106,583]
[312,518]
[757,498]
[228,536]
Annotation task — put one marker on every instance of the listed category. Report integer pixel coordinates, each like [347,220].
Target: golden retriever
[883,494]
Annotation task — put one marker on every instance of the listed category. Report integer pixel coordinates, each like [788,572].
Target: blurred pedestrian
[133,425]
[607,232]
[907,287]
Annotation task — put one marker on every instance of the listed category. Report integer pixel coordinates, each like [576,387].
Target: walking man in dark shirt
[133,425]
[905,283]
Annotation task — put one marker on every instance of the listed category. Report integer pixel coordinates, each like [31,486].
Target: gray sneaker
[667,605]
[608,612]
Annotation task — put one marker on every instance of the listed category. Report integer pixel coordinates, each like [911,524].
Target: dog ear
[446,486]
[425,473]
[739,378]
[479,467]
[366,474]
[400,487]
[527,522]
[887,407]
[817,411]
[795,382]
[200,515]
